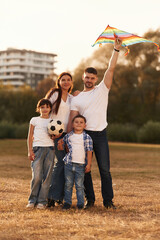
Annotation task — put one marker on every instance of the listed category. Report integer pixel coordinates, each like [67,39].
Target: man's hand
[75,93]
[117,43]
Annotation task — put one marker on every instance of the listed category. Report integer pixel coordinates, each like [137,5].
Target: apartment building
[25,67]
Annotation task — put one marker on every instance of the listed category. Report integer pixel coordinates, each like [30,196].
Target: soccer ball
[55,127]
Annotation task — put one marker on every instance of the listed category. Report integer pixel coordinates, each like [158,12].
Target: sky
[68,28]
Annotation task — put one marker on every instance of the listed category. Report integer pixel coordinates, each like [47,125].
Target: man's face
[89,80]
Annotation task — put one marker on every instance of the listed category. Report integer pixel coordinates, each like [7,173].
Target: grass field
[136,181]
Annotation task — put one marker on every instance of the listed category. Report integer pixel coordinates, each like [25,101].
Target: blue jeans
[101,149]
[56,191]
[42,168]
[74,173]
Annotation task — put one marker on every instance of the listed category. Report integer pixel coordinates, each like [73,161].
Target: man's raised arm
[73,113]
[108,76]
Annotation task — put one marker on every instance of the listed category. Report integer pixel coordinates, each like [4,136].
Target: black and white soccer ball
[55,127]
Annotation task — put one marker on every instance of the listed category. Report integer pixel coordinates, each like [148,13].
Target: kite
[110,33]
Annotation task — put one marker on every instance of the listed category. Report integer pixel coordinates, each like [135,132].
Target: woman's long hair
[59,90]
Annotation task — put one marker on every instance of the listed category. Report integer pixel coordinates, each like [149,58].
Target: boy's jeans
[42,168]
[74,173]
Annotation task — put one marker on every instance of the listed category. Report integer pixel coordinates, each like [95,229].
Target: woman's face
[65,82]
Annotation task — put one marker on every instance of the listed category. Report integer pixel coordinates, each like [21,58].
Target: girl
[41,154]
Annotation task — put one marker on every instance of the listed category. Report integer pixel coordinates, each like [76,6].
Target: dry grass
[135,173]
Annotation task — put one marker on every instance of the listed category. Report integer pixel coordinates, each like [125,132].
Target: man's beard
[89,85]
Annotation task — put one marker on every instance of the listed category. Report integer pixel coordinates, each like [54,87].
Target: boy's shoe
[109,205]
[51,203]
[66,206]
[41,206]
[30,205]
[80,207]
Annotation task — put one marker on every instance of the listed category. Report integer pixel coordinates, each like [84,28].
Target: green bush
[11,130]
[18,106]
[7,130]
[122,132]
[21,131]
[149,133]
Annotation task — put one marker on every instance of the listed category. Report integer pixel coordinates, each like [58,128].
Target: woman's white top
[63,111]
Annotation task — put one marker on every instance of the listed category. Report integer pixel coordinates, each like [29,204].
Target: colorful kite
[110,33]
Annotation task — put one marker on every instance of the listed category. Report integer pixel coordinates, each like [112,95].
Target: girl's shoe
[30,205]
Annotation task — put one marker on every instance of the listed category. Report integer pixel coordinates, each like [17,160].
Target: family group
[59,162]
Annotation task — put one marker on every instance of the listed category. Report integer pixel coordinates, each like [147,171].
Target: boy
[41,154]
[77,161]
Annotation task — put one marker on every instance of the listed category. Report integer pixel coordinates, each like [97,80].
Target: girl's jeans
[42,168]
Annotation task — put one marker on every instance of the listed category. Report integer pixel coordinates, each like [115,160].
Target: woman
[60,97]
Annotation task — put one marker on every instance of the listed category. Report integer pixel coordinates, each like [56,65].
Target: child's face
[79,124]
[44,110]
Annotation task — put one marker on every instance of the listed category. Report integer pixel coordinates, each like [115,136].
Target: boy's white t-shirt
[41,137]
[78,152]
[63,111]
[93,106]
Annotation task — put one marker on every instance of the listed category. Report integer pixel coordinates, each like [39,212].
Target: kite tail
[128,50]
[157,47]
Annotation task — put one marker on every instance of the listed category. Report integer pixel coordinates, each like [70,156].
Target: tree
[44,85]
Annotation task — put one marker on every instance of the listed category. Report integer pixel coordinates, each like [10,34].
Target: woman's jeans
[56,191]
[42,168]
[74,173]
[101,149]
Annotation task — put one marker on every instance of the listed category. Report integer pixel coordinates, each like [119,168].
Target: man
[92,103]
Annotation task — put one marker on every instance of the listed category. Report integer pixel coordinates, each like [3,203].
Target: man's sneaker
[109,205]
[88,205]
[41,206]
[59,202]
[66,206]
[30,205]
[50,203]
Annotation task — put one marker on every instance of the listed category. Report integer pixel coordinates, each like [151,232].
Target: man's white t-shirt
[63,111]
[93,106]
[41,137]
[78,153]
